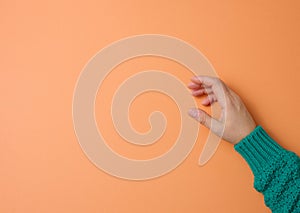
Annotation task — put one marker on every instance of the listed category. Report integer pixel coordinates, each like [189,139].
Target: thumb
[205,119]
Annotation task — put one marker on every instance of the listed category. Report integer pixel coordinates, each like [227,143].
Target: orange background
[253,45]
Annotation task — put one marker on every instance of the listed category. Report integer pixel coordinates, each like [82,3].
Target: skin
[239,122]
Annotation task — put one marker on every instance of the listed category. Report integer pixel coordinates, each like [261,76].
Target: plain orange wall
[253,45]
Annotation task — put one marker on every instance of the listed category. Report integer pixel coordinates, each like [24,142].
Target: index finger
[204,80]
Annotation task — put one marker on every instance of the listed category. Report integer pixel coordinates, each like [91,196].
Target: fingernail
[193,113]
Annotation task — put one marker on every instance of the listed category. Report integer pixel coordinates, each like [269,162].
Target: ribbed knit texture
[276,171]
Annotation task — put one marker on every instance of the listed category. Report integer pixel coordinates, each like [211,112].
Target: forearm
[276,171]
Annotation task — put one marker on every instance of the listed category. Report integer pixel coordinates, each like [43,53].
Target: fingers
[202,85]
[201,91]
[205,119]
[204,80]
[211,86]
[209,100]
[194,86]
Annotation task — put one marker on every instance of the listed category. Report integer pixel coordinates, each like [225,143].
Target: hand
[235,119]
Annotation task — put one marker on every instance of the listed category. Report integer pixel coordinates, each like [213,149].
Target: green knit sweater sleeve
[276,171]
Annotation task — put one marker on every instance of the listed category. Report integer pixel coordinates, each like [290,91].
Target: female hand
[235,119]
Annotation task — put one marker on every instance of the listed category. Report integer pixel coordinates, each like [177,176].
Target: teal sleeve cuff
[259,150]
